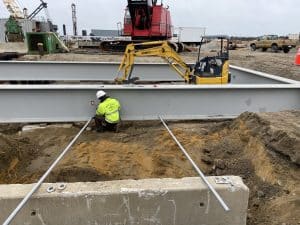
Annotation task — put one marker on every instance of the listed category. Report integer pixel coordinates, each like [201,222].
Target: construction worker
[107,115]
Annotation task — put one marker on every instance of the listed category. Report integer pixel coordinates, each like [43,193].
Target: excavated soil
[261,148]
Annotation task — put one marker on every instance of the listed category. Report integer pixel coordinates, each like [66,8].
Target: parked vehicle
[273,42]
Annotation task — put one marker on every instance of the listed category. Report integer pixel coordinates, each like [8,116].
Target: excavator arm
[156,48]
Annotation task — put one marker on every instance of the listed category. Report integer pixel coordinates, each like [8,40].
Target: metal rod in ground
[42,179]
[202,176]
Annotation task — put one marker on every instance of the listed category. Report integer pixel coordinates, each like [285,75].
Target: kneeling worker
[108,113]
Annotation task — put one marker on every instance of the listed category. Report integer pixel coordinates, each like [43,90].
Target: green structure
[44,43]
[13,32]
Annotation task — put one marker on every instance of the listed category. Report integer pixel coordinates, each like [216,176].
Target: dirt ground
[280,64]
[261,148]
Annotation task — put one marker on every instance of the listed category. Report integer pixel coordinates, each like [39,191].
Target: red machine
[146,20]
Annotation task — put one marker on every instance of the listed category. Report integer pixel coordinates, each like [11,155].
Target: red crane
[144,20]
[147,20]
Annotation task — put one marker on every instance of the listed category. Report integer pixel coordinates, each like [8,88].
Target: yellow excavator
[208,70]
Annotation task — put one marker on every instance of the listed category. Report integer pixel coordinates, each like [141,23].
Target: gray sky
[233,17]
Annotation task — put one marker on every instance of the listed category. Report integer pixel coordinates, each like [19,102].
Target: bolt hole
[61,186]
[50,189]
[33,213]
[201,204]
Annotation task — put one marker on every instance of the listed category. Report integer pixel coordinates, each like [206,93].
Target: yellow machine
[209,70]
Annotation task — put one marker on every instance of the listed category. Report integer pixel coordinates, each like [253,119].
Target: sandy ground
[261,148]
[280,64]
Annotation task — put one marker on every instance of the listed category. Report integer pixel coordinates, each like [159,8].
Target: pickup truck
[273,42]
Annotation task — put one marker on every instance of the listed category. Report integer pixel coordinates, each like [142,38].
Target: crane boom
[14,9]
[43,5]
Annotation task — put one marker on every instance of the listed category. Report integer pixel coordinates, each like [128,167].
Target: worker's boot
[100,129]
[99,124]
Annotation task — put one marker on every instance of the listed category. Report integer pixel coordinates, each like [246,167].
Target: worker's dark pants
[103,125]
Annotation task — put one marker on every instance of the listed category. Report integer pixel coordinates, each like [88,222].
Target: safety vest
[110,110]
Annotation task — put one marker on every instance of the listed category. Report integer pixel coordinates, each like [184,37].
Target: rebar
[42,179]
[202,176]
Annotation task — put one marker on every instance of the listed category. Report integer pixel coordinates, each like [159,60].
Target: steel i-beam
[92,71]
[60,103]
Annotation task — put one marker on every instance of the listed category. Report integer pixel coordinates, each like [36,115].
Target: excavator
[208,70]
[14,32]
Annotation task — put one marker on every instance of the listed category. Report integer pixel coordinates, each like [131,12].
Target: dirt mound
[249,147]
[9,129]
[15,154]
[279,132]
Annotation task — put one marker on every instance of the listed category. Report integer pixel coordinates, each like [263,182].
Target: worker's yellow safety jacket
[109,109]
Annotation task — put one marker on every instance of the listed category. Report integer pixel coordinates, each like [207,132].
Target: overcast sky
[232,17]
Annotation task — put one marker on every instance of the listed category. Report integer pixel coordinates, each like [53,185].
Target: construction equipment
[17,14]
[209,70]
[14,9]
[13,31]
[42,6]
[144,20]
[214,69]
[49,41]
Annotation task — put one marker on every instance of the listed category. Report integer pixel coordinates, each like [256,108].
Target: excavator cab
[140,13]
[214,69]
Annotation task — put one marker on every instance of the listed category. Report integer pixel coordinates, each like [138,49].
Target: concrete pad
[184,201]
[29,128]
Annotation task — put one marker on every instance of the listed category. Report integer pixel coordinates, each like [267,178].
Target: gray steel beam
[60,103]
[88,71]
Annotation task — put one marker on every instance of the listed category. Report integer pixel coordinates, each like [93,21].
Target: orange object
[297,59]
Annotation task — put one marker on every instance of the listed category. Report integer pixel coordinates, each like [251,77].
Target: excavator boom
[156,48]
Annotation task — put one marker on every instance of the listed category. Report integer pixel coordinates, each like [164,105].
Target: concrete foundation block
[184,201]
